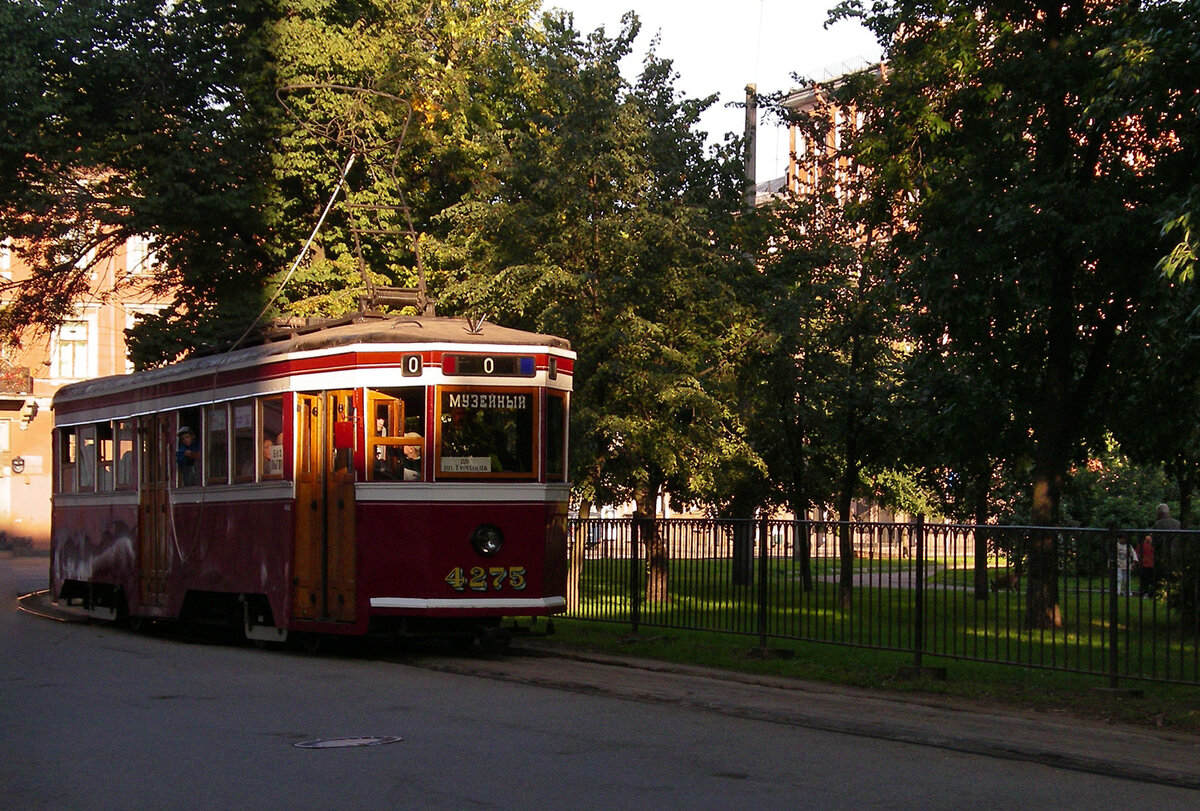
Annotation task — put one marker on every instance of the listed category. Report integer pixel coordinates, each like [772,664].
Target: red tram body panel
[402,474]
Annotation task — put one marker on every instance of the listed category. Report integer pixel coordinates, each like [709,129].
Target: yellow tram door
[154,509]
[324,579]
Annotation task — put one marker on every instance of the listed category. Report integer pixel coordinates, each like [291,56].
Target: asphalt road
[94,716]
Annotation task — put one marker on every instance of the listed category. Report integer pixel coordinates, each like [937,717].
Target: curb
[38,604]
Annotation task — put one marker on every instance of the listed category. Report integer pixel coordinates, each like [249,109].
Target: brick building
[90,344]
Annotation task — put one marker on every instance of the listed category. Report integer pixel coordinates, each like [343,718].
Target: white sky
[720,46]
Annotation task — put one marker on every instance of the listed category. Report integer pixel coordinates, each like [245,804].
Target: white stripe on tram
[417,602]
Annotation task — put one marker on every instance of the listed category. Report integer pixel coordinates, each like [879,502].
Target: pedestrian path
[1117,750]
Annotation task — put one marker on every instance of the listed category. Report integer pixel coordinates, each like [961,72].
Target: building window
[6,258]
[139,256]
[69,353]
[133,315]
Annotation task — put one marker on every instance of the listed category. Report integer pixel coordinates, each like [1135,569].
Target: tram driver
[412,459]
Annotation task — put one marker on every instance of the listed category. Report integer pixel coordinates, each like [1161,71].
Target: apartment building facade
[89,344]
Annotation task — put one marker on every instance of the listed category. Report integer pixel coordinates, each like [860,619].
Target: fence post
[635,580]
[762,582]
[919,592]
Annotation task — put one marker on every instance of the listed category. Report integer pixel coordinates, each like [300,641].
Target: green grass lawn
[707,619]
[1159,705]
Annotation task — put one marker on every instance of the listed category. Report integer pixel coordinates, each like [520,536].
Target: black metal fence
[936,590]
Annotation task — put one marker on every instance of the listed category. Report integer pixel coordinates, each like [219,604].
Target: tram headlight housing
[487,539]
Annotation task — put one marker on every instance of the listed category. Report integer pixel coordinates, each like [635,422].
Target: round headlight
[487,539]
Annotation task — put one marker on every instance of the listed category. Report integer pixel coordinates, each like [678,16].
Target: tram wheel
[311,643]
[139,625]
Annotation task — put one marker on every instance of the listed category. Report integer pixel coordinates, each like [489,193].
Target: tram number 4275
[478,578]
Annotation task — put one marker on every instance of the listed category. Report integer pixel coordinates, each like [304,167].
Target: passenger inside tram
[412,458]
[186,457]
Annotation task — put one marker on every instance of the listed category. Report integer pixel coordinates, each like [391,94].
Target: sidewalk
[1115,750]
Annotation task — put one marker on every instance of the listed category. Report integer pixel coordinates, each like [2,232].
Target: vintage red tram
[403,474]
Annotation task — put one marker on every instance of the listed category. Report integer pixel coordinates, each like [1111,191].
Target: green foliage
[605,222]
[418,92]
[1035,155]
[903,492]
[131,118]
[821,397]
[221,131]
[1112,491]
[1152,412]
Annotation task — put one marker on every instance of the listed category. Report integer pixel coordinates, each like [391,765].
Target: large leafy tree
[828,377]
[131,118]
[221,130]
[1034,149]
[417,92]
[606,222]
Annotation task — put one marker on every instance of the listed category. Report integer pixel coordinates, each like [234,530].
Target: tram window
[67,460]
[341,448]
[245,455]
[216,445]
[304,428]
[397,434]
[104,456]
[126,475]
[271,437]
[487,431]
[187,452]
[86,446]
[556,437]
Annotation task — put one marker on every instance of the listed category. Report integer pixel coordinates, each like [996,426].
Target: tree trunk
[980,490]
[802,532]
[1041,571]
[657,557]
[845,500]
[1184,480]
[743,542]
[845,544]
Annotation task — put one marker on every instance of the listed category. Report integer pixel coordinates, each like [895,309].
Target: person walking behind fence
[1126,558]
[1169,539]
[1146,573]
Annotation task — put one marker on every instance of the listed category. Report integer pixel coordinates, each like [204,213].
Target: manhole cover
[342,743]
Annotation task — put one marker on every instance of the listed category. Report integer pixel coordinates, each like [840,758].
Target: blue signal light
[527,366]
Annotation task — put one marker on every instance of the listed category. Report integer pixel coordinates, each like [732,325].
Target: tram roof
[409,331]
